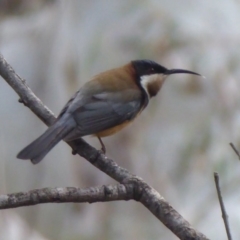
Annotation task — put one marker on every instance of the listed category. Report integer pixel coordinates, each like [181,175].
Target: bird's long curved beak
[174,71]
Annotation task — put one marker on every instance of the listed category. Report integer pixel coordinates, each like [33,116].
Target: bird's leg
[102,145]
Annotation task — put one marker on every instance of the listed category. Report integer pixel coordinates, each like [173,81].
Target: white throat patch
[151,79]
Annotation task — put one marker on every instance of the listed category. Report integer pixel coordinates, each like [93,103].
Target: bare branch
[235,150]
[27,97]
[142,192]
[224,213]
[155,203]
[68,194]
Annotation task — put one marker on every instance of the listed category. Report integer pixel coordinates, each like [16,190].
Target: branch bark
[68,194]
[141,191]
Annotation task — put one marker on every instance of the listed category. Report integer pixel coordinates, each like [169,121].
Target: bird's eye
[151,70]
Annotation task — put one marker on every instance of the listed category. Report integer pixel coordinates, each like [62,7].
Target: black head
[150,75]
[148,67]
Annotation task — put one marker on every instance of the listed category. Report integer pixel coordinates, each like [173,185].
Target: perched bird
[103,106]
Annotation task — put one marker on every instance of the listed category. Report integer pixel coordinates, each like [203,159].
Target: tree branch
[68,194]
[142,192]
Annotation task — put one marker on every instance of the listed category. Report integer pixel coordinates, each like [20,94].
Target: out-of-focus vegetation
[175,145]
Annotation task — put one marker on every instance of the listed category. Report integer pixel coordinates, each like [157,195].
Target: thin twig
[235,150]
[224,213]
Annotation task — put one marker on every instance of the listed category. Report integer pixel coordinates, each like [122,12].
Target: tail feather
[38,149]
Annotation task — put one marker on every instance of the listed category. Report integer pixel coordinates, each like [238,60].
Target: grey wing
[104,111]
[69,105]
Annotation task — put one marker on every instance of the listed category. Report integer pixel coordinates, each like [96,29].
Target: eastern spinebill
[103,106]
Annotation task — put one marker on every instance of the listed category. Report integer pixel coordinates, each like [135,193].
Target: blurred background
[175,145]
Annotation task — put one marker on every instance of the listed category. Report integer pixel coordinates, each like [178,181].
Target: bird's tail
[38,149]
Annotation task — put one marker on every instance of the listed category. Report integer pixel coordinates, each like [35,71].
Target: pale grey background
[175,145]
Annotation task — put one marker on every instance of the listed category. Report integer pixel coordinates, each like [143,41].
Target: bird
[103,106]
